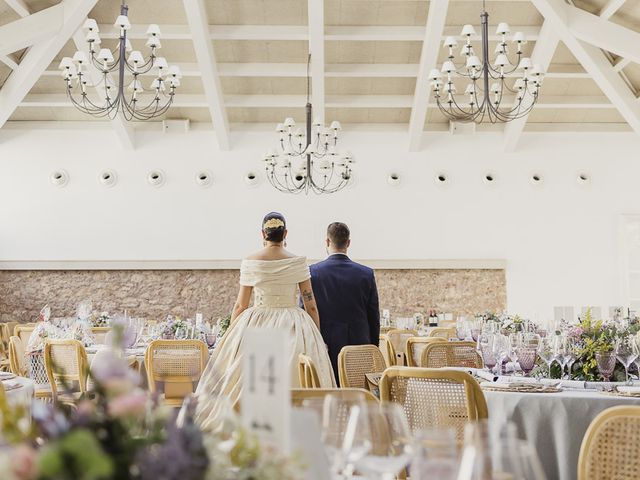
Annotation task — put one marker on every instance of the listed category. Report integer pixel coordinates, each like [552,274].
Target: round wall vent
[108,178]
[155,178]
[204,178]
[441,179]
[59,178]
[536,179]
[489,178]
[251,179]
[393,179]
[583,179]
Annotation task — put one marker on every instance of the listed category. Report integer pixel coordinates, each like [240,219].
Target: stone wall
[157,293]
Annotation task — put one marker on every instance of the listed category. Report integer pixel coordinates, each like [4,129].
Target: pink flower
[24,462]
[128,405]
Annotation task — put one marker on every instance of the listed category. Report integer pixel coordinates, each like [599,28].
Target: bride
[273,275]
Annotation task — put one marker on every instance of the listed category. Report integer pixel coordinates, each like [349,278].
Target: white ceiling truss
[247,70]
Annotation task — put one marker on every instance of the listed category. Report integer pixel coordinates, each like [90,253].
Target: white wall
[559,241]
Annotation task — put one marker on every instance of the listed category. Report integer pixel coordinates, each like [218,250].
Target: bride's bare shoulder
[268,254]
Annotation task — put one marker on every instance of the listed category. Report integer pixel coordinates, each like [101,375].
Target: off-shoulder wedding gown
[275,289]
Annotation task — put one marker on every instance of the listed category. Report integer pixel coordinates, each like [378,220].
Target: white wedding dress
[275,284]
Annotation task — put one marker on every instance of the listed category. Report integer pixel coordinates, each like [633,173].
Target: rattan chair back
[443,332]
[16,357]
[415,347]
[66,364]
[451,354]
[610,447]
[355,361]
[24,332]
[175,366]
[434,398]
[307,372]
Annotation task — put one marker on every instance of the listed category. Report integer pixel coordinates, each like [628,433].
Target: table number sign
[266,383]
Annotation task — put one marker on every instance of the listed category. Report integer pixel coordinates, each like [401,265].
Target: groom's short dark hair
[338,233]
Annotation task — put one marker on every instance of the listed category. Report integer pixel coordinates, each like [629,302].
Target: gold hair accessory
[273,223]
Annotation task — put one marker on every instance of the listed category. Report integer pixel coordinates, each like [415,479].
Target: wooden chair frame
[299,395]
[394,349]
[411,361]
[591,439]
[443,332]
[153,377]
[450,347]
[475,400]
[22,330]
[307,372]
[343,373]
[56,375]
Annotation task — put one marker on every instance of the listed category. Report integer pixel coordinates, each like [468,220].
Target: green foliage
[77,455]
[224,325]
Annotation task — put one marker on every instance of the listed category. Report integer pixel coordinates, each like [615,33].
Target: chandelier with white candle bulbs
[489,94]
[308,161]
[124,94]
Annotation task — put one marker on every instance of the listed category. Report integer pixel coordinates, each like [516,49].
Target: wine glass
[562,350]
[527,355]
[546,353]
[500,347]
[606,362]
[515,340]
[626,353]
[485,349]
[435,454]
[391,443]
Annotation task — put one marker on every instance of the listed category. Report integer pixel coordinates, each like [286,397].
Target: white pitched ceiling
[372,53]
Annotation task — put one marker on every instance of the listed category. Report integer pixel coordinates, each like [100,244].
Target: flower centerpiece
[120,432]
[103,319]
[172,325]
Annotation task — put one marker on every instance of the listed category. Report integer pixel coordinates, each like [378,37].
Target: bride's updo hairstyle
[274,226]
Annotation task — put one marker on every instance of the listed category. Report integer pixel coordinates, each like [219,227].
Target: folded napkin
[7,376]
[629,388]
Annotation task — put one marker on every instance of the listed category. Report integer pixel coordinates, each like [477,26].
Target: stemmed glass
[606,362]
[436,454]
[527,357]
[461,328]
[501,348]
[563,353]
[636,350]
[391,442]
[485,349]
[546,353]
[626,353]
[515,341]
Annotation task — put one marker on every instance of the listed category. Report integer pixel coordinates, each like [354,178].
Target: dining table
[553,422]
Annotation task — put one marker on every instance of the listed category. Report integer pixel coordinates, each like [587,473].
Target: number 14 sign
[266,381]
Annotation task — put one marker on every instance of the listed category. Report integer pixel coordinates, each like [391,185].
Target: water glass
[435,454]
[626,353]
[391,446]
[606,362]
[546,352]
[501,347]
[485,349]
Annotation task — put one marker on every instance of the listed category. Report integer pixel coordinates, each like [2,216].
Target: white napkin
[629,388]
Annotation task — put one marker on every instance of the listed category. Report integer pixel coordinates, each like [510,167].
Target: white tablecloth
[554,423]
[22,395]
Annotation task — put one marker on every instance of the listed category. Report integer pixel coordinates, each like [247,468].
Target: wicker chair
[398,340]
[610,447]
[415,347]
[386,349]
[299,395]
[19,368]
[355,361]
[450,354]
[11,326]
[4,347]
[100,334]
[443,332]
[307,372]
[66,364]
[24,332]
[434,397]
[177,365]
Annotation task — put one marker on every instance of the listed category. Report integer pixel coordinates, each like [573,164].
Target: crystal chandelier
[308,160]
[487,83]
[111,97]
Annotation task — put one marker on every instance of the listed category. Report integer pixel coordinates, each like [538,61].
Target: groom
[346,295]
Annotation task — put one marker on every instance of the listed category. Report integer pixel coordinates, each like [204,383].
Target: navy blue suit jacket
[347,299]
